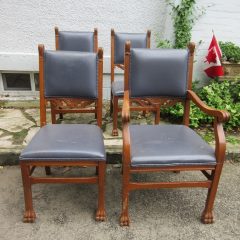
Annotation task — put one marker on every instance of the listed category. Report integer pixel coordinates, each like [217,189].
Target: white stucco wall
[26,23]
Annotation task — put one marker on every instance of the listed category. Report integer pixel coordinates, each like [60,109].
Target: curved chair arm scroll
[221,115]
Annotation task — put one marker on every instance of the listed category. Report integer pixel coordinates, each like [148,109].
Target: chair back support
[158,73]
[76,41]
[138,40]
[71,81]
[70,74]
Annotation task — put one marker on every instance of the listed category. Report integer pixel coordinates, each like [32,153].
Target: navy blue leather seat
[168,145]
[66,142]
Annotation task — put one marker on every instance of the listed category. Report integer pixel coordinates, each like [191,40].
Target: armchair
[155,148]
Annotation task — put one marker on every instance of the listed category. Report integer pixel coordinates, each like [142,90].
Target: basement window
[36,81]
[16,81]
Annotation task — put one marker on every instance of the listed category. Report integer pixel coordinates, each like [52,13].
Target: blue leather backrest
[158,72]
[76,41]
[70,74]
[138,40]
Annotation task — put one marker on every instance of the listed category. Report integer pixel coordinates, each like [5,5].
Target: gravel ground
[67,211]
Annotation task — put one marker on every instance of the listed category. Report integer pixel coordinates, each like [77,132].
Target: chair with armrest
[76,41]
[167,147]
[138,40]
[66,76]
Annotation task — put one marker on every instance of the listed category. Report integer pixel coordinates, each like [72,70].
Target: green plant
[230,51]
[217,95]
[184,15]
[183,20]
[164,44]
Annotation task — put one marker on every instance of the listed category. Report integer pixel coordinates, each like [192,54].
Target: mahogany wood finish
[211,172]
[28,167]
[91,105]
[143,105]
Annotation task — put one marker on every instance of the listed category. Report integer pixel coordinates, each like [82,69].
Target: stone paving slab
[66,211]
[13,120]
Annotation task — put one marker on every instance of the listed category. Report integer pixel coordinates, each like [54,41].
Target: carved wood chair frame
[139,104]
[28,166]
[211,172]
[61,106]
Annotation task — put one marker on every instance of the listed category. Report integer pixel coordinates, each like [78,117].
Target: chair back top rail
[76,40]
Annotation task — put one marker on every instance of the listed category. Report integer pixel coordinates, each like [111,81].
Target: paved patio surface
[67,211]
[19,121]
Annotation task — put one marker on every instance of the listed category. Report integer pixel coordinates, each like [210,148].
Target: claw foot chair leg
[207,214]
[124,219]
[29,214]
[101,214]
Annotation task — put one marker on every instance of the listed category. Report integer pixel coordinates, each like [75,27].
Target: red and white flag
[214,67]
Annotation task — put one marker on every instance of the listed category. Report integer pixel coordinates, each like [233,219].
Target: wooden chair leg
[124,219]
[101,214]
[95,110]
[111,104]
[48,170]
[60,116]
[115,116]
[53,115]
[29,214]
[157,116]
[207,214]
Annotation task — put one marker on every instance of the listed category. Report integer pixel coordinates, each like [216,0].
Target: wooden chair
[138,40]
[153,148]
[64,73]
[75,41]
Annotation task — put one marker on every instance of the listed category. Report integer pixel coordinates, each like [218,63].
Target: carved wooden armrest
[126,108]
[221,115]
[126,133]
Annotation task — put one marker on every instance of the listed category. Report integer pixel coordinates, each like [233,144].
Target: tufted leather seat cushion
[66,142]
[118,88]
[138,40]
[168,145]
[76,41]
[158,72]
[66,72]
